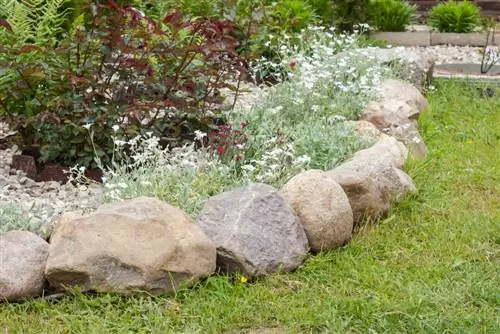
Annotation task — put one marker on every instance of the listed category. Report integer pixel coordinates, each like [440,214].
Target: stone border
[293,220]
[430,38]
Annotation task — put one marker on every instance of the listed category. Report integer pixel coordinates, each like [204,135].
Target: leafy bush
[391,15]
[453,16]
[121,75]
[349,13]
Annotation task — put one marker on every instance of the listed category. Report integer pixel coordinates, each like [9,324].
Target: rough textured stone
[367,130]
[22,261]
[136,245]
[392,89]
[382,163]
[396,114]
[387,150]
[53,173]
[365,194]
[323,209]
[24,163]
[255,230]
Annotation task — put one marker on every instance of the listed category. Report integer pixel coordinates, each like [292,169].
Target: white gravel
[448,54]
[37,204]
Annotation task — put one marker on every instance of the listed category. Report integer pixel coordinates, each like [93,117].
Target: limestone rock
[255,230]
[323,209]
[136,245]
[22,261]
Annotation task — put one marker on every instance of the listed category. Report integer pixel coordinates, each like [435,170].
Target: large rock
[365,194]
[396,114]
[255,230]
[367,130]
[323,209]
[392,89]
[22,261]
[373,178]
[136,245]
[387,150]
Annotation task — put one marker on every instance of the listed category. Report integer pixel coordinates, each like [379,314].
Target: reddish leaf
[173,18]
[5,24]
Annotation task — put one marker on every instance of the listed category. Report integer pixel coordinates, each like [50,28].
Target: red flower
[239,157]
[293,64]
[243,124]
[221,150]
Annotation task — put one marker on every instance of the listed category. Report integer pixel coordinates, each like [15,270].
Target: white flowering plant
[297,124]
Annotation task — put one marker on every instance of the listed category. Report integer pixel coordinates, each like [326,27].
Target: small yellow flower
[243,279]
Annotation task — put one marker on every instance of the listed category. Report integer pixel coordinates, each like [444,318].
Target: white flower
[276,109]
[115,128]
[88,125]
[199,135]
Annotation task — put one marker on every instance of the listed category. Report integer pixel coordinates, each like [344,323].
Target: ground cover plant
[430,266]
[295,125]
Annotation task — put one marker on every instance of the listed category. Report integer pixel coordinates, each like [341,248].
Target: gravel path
[24,202]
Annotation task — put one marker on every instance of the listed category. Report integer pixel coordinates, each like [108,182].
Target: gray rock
[323,209]
[255,230]
[22,261]
[128,247]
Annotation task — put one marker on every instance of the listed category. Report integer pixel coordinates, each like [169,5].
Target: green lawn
[432,266]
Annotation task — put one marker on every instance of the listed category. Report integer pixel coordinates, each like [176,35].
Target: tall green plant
[453,16]
[35,21]
[391,15]
[349,13]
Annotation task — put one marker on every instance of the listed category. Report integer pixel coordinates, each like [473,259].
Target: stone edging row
[430,38]
[146,245]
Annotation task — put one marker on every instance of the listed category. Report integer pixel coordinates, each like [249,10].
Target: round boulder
[323,209]
[22,261]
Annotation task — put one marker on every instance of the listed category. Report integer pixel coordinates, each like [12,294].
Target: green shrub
[349,13]
[391,15]
[324,10]
[453,16]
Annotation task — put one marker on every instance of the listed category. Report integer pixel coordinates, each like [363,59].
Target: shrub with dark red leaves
[119,74]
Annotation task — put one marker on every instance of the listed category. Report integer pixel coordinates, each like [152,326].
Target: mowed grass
[431,266]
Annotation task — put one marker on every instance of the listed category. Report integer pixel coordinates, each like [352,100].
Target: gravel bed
[449,54]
